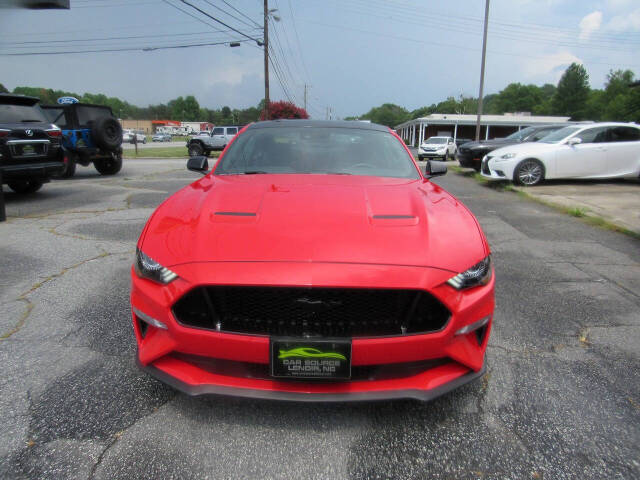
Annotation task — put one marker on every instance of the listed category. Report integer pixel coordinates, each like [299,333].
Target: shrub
[284,109]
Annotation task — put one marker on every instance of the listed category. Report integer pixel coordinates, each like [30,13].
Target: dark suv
[30,152]
[90,134]
[470,154]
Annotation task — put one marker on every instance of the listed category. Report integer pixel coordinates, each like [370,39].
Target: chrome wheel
[529,172]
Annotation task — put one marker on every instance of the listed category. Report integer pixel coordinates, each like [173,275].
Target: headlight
[506,156]
[147,267]
[479,274]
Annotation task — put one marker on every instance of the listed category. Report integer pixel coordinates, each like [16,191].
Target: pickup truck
[217,140]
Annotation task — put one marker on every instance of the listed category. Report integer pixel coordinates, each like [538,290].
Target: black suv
[90,134]
[30,151]
[470,154]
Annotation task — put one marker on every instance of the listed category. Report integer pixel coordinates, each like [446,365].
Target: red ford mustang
[315,262]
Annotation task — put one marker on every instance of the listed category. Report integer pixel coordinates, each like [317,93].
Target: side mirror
[434,169]
[574,141]
[198,164]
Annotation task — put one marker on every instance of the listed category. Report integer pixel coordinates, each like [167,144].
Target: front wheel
[25,186]
[529,172]
[108,166]
[195,149]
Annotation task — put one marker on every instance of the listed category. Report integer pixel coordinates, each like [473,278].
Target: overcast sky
[354,54]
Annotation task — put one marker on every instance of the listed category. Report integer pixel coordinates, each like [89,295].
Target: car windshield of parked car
[436,140]
[559,135]
[340,151]
[21,113]
[520,134]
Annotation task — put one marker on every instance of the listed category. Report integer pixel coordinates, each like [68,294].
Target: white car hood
[522,148]
[437,145]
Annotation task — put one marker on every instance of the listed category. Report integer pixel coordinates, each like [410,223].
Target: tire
[195,149]
[529,172]
[25,186]
[107,133]
[144,140]
[109,166]
[477,168]
[420,157]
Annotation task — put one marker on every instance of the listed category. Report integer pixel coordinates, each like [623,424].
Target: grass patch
[577,211]
[166,152]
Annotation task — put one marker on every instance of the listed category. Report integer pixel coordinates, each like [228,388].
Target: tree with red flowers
[284,109]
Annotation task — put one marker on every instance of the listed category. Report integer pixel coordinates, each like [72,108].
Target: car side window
[218,131]
[594,135]
[232,130]
[539,134]
[625,134]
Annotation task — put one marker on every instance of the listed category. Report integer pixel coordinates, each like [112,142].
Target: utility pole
[266,59]
[305,97]
[484,54]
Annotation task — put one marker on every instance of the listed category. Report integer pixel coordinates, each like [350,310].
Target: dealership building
[464,126]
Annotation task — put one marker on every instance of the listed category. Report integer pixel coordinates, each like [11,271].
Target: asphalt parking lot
[560,400]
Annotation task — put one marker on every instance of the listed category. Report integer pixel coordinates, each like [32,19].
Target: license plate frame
[310,359]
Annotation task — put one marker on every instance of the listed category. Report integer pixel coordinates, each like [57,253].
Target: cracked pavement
[561,398]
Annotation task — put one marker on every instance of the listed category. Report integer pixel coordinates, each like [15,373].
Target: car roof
[319,124]
[7,98]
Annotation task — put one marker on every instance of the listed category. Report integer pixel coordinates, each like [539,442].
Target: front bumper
[43,170]
[493,171]
[167,353]
[431,154]
[469,160]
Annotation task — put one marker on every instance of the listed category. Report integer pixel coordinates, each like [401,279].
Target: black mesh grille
[261,371]
[485,167]
[325,312]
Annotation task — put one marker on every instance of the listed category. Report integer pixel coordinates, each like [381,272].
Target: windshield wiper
[338,173]
[31,121]
[253,172]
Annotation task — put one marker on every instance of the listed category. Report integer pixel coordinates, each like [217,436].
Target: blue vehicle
[90,134]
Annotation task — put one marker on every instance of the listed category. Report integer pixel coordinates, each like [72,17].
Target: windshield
[520,134]
[436,140]
[559,135]
[21,113]
[340,151]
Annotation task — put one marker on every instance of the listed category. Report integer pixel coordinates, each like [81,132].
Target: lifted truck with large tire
[216,140]
[30,152]
[90,134]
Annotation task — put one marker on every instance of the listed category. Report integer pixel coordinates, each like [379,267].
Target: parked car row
[470,154]
[133,136]
[38,143]
[595,150]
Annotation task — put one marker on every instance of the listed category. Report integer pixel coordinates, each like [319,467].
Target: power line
[145,49]
[433,42]
[129,37]
[229,14]
[219,21]
[191,15]
[245,16]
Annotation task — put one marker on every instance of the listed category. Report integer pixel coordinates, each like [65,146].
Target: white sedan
[595,150]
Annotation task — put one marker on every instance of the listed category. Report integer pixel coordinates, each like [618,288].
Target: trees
[284,109]
[572,93]
[388,114]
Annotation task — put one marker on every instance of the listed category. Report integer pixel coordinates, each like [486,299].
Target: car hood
[492,144]
[314,218]
[440,145]
[527,147]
